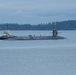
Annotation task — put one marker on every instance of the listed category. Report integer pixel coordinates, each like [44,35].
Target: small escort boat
[7,36]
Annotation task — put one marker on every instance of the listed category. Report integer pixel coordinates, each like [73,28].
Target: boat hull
[32,38]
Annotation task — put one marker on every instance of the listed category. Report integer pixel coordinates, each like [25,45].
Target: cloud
[36,11]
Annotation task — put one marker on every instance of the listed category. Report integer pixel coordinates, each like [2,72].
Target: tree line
[62,25]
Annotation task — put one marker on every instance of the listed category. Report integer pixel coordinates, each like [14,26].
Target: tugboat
[7,36]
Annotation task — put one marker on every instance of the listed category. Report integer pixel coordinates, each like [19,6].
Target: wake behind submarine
[7,36]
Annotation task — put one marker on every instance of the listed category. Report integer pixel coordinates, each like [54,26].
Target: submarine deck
[30,37]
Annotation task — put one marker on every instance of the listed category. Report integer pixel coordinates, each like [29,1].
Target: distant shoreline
[62,25]
[37,30]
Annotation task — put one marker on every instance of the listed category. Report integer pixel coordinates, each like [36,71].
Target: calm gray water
[39,57]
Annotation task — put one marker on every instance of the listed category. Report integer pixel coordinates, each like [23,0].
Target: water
[39,57]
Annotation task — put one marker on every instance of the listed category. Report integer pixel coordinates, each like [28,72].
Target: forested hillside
[63,25]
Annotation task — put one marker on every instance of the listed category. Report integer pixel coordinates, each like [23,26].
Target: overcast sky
[36,11]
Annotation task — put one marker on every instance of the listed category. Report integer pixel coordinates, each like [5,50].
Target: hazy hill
[63,25]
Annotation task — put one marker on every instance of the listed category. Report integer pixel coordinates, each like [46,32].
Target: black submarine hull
[31,38]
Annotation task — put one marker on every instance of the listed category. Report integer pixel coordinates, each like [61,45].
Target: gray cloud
[36,11]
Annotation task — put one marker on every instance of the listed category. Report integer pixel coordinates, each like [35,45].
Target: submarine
[7,36]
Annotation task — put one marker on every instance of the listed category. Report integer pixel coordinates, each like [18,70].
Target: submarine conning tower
[55,32]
